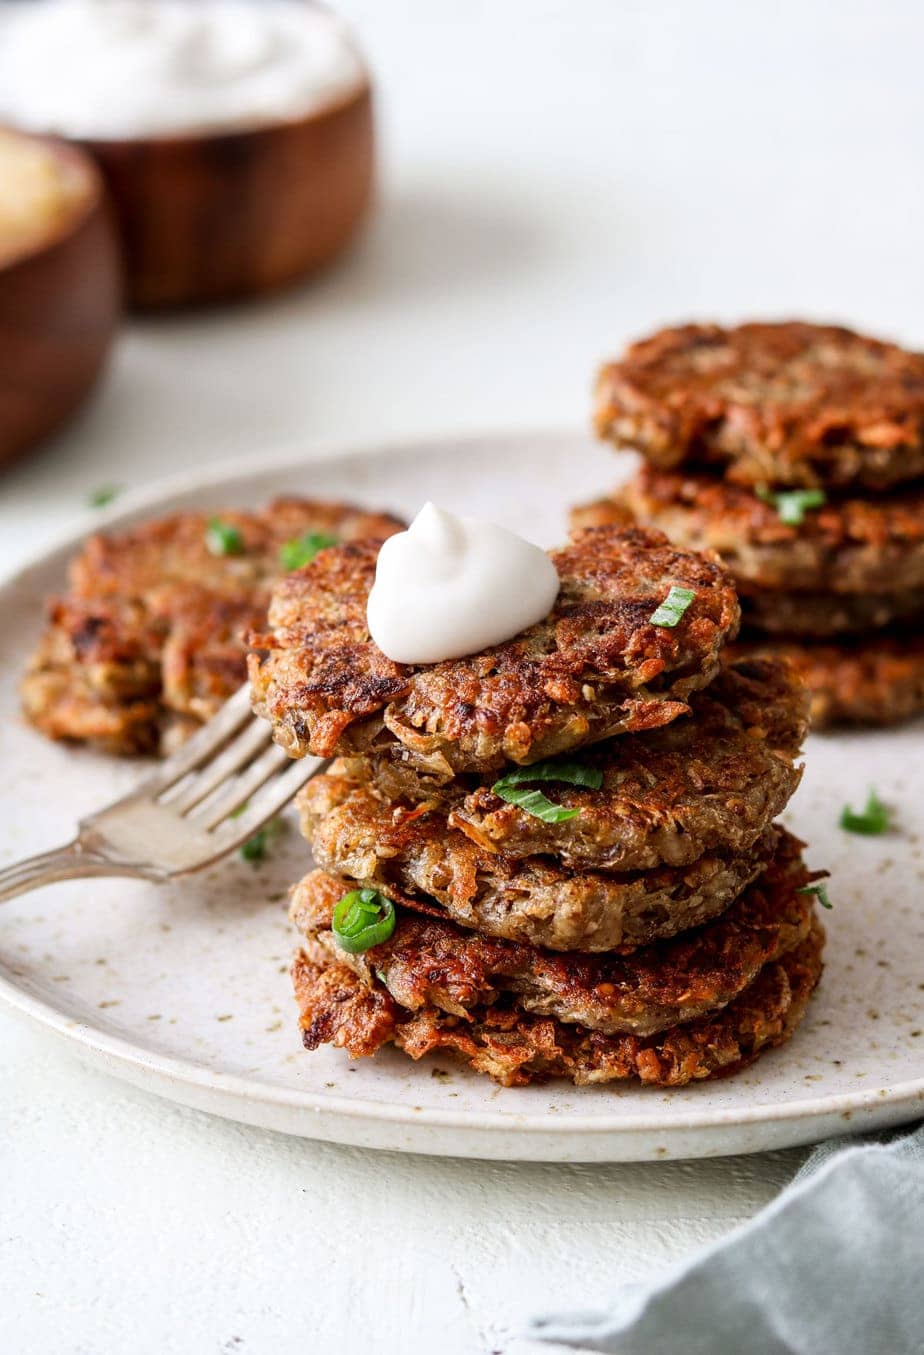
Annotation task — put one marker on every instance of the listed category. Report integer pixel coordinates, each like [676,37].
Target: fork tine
[147,835]
[239,791]
[273,797]
[252,740]
[202,746]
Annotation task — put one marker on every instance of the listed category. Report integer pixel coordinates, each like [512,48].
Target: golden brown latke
[149,642]
[416,858]
[431,962]
[870,552]
[710,781]
[787,404]
[594,668]
[340,1008]
[875,679]
[847,545]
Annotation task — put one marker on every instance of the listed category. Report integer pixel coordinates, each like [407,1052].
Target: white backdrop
[556,177]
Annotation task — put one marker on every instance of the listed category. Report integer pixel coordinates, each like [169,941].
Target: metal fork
[214,793]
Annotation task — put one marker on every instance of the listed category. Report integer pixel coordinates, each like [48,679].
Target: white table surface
[556,177]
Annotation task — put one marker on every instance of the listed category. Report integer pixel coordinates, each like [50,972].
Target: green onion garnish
[673,607]
[873,821]
[792,504]
[99,498]
[223,539]
[512,787]
[363,918]
[535,803]
[821,894]
[552,769]
[301,550]
[256,848]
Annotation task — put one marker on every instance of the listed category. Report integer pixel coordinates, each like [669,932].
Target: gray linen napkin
[834,1266]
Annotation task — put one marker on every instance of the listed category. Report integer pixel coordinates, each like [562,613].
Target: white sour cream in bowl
[113,69]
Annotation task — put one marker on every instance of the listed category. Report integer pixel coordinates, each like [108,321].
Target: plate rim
[119,1053]
[189,1073]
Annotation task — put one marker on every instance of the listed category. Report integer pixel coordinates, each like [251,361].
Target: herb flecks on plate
[513,787]
[257,848]
[362,919]
[102,497]
[874,819]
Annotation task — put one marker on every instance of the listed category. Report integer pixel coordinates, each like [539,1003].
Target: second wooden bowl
[60,299]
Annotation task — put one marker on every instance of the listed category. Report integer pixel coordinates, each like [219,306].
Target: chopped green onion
[673,607]
[363,918]
[821,894]
[256,848]
[99,498]
[301,550]
[873,821]
[535,803]
[222,538]
[792,504]
[552,769]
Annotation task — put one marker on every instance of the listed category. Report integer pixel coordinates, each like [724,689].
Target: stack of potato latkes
[796,452]
[558,856]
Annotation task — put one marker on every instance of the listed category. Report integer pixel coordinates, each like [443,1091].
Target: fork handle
[63,863]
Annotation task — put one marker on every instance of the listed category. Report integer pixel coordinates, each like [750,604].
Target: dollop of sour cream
[451,586]
[117,69]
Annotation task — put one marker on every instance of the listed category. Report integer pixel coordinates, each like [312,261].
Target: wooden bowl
[60,298]
[215,216]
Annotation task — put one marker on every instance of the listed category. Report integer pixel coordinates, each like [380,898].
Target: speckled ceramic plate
[185,990]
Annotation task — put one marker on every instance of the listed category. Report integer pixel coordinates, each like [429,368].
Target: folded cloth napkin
[834,1266]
